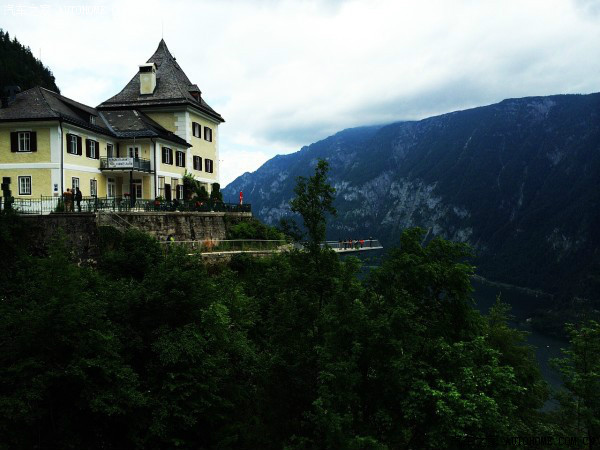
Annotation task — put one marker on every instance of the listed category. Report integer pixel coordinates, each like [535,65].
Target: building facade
[138,143]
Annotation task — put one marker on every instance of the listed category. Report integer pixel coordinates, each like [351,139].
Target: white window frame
[75,184]
[72,148]
[110,150]
[93,149]
[94,187]
[197,130]
[167,152]
[179,192]
[161,187]
[138,183]
[208,165]
[24,142]
[209,134]
[180,155]
[25,178]
[111,188]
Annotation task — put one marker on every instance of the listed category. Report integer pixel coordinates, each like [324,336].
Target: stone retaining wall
[80,230]
[183,226]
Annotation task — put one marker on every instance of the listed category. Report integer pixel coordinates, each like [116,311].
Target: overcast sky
[285,74]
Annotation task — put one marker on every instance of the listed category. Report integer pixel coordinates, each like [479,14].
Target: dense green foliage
[253,229]
[19,66]
[153,350]
[580,403]
[215,193]
[159,353]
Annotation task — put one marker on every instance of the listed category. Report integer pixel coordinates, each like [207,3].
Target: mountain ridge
[517,180]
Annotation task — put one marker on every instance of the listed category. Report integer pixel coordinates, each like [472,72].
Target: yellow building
[138,143]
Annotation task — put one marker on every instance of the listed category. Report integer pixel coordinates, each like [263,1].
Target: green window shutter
[33,141]
[14,142]
[87,148]
[79,146]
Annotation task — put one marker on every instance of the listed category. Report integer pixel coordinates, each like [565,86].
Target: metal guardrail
[229,245]
[140,164]
[264,245]
[50,204]
[353,244]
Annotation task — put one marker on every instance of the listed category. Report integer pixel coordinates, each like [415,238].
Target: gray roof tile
[172,87]
[131,123]
[42,104]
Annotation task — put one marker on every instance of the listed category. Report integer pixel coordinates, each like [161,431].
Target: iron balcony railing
[142,165]
[50,204]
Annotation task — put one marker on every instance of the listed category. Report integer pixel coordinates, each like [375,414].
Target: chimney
[9,93]
[147,78]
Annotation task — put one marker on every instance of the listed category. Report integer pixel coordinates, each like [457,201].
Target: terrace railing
[353,244]
[49,204]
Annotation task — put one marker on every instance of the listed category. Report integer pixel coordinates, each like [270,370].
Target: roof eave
[30,119]
[134,135]
[108,106]
[86,126]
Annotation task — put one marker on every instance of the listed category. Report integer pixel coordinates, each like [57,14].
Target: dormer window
[195,92]
[92,120]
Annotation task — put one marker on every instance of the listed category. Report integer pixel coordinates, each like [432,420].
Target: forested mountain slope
[19,67]
[518,180]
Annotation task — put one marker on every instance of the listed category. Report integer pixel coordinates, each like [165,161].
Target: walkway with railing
[229,246]
[353,245]
[49,204]
[224,246]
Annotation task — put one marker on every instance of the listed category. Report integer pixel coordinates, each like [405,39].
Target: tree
[215,194]
[514,352]
[267,353]
[190,185]
[20,67]
[314,200]
[579,413]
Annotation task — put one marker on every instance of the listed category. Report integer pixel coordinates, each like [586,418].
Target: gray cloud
[287,73]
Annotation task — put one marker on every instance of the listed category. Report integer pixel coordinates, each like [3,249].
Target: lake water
[523,306]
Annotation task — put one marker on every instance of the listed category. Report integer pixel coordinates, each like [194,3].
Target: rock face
[518,180]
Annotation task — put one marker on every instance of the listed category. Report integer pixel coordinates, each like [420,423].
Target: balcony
[138,164]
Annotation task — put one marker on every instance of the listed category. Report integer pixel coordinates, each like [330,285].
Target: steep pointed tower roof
[173,87]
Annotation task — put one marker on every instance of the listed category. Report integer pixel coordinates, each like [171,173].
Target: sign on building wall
[119,163]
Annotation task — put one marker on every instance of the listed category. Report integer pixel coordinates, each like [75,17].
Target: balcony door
[111,188]
[137,189]
[133,152]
